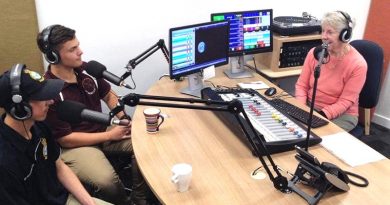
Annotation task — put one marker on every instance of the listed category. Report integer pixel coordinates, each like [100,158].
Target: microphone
[321,52]
[75,112]
[98,70]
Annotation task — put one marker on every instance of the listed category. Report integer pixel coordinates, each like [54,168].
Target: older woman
[342,76]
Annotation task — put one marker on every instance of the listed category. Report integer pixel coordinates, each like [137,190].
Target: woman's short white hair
[337,20]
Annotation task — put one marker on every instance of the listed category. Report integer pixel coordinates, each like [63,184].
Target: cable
[254,62]
[25,129]
[207,81]
[254,172]
[364,180]
[164,75]
[227,87]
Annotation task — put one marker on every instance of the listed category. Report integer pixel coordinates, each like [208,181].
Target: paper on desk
[349,149]
[257,85]
[209,72]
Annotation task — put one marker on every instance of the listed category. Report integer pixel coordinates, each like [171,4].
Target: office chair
[368,98]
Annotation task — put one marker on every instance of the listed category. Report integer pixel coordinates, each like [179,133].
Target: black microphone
[321,52]
[98,71]
[75,112]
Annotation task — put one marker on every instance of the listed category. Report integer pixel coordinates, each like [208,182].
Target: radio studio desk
[222,164]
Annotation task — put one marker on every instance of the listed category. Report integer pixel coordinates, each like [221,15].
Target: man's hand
[119,132]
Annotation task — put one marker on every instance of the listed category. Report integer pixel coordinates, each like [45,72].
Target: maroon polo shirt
[84,91]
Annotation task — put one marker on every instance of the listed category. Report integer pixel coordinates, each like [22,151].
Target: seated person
[342,76]
[85,144]
[31,171]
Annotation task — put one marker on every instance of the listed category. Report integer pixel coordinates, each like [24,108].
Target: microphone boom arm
[159,45]
[235,107]
[141,57]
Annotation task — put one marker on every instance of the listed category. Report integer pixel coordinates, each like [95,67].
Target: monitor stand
[237,69]
[195,85]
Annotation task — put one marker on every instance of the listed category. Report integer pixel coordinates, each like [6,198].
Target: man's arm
[79,139]
[69,180]
[111,99]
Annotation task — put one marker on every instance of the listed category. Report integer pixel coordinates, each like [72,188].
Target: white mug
[181,176]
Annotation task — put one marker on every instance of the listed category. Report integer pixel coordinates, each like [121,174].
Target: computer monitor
[194,48]
[250,33]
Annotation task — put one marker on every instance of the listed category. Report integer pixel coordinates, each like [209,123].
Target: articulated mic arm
[235,107]
[141,57]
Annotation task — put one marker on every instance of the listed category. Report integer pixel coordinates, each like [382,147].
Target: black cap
[33,87]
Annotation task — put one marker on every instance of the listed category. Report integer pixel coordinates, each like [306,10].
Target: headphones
[51,55]
[343,176]
[20,109]
[346,33]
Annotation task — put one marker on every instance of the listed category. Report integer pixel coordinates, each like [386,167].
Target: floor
[379,139]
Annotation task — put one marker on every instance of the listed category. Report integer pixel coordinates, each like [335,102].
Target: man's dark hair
[57,35]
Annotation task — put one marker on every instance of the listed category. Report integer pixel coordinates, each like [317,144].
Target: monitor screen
[250,31]
[196,47]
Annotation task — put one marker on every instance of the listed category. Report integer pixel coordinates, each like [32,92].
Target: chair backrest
[373,54]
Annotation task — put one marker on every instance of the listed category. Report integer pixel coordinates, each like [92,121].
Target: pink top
[339,84]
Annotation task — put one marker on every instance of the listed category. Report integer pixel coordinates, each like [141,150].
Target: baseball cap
[33,86]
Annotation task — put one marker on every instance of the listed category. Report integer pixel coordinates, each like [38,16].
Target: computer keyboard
[297,113]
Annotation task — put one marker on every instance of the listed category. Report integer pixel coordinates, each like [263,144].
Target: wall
[19,26]
[115,31]
[382,112]
[378,30]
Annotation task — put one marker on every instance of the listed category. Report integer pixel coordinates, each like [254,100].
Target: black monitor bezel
[199,69]
[251,51]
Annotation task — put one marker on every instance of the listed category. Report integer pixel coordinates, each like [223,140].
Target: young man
[85,144]
[31,171]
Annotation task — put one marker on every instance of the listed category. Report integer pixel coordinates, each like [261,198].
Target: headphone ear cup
[21,111]
[52,57]
[339,173]
[345,35]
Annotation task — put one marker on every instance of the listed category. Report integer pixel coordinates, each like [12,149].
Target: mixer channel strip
[280,132]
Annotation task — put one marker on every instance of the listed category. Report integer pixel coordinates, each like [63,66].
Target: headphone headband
[346,33]
[347,18]
[15,81]
[20,110]
[50,53]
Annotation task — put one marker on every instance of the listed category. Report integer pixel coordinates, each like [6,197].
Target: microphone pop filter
[70,111]
[95,69]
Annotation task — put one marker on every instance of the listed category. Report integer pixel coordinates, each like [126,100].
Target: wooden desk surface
[222,164]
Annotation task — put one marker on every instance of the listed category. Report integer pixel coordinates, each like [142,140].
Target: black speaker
[20,109]
[51,55]
[346,33]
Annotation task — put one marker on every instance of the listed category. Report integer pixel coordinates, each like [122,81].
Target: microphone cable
[127,74]
[361,178]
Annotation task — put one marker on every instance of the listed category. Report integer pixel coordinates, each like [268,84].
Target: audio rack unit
[289,52]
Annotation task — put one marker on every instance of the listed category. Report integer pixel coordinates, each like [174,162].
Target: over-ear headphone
[51,55]
[20,109]
[346,33]
[339,173]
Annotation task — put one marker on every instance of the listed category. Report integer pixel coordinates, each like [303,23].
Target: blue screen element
[196,47]
[201,47]
[250,31]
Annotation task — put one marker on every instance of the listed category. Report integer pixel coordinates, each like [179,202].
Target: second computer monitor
[249,33]
[196,47]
